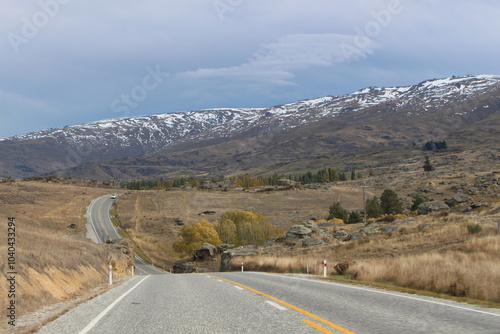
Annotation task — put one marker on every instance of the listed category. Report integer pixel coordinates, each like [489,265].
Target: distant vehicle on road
[114,196]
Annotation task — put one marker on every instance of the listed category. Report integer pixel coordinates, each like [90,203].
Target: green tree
[373,208]
[427,164]
[419,199]
[354,218]
[337,211]
[194,235]
[390,202]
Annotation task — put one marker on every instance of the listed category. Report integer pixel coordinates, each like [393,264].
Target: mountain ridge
[458,100]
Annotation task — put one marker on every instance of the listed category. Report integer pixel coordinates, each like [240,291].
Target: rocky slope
[230,140]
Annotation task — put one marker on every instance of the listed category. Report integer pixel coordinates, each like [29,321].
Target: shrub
[474,228]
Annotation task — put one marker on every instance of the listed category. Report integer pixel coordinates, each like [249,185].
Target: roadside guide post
[110,275]
[241,266]
[324,268]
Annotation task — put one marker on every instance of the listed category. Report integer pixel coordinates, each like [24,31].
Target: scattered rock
[342,235]
[72,225]
[433,206]
[183,267]
[205,252]
[458,199]
[310,242]
[286,183]
[178,220]
[356,236]
[297,232]
[224,247]
[207,213]
[388,229]
[370,228]
[311,225]
[228,255]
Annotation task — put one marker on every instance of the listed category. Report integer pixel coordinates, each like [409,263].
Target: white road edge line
[107,309]
[385,293]
[273,304]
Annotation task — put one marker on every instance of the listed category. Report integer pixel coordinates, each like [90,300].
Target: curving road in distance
[103,230]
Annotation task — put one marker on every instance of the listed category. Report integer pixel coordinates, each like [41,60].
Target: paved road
[100,221]
[142,268]
[264,303]
[103,230]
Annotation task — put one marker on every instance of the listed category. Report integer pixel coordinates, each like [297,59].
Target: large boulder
[310,242]
[298,232]
[286,183]
[458,199]
[342,235]
[229,255]
[205,252]
[434,206]
[183,267]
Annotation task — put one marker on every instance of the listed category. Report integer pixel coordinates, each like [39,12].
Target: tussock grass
[54,262]
[442,257]
[473,271]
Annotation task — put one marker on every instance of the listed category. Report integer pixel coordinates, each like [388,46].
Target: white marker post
[110,275]
[324,268]
[241,266]
[133,270]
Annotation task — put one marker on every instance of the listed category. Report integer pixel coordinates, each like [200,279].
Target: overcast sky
[65,62]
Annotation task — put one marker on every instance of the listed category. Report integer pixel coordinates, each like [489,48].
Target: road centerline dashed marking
[239,288]
[309,314]
[273,304]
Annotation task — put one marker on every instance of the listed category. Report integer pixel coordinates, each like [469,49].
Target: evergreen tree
[390,202]
[419,199]
[427,164]
[354,218]
[373,208]
[337,211]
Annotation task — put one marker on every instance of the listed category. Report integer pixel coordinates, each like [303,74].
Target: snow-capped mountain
[57,149]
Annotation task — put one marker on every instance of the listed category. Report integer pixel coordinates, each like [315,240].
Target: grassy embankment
[54,262]
[442,257]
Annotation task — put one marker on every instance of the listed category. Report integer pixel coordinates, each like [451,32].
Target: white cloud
[276,62]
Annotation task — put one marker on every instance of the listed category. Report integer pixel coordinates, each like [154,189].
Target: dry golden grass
[54,262]
[442,257]
[147,216]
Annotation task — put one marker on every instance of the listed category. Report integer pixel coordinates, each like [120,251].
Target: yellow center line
[318,327]
[326,322]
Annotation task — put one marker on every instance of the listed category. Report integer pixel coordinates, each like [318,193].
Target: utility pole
[364,203]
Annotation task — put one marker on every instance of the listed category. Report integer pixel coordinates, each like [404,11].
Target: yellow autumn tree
[194,235]
[244,228]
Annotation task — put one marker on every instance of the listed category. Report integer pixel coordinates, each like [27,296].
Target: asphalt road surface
[103,230]
[100,221]
[264,303]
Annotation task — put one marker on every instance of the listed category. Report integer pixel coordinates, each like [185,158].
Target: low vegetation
[54,259]
[436,253]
